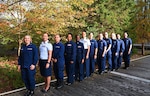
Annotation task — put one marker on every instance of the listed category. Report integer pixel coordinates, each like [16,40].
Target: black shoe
[126,68]
[59,86]
[113,69]
[31,93]
[45,91]
[109,70]
[100,73]
[85,77]
[68,84]
[80,80]
[116,69]
[27,93]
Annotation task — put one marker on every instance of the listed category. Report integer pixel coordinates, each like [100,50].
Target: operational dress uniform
[126,56]
[86,43]
[70,55]
[122,48]
[91,55]
[58,53]
[79,69]
[43,49]
[115,49]
[28,56]
[109,53]
[100,59]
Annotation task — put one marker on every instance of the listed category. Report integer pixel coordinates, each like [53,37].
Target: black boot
[27,92]
[31,93]
[60,84]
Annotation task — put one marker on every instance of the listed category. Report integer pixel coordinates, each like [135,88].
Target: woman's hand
[19,68]
[32,67]
[47,65]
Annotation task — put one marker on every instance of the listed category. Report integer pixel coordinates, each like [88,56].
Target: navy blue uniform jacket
[28,56]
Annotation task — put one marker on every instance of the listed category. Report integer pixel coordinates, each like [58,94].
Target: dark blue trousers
[70,72]
[119,61]
[109,58]
[79,70]
[101,63]
[92,64]
[59,70]
[126,58]
[86,65]
[114,61]
[28,77]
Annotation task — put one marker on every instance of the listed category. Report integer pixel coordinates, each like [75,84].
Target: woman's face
[69,37]
[118,36]
[57,38]
[78,38]
[45,37]
[125,35]
[101,36]
[113,36]
[106,35]
[91,35]
[83,34]
[27,39]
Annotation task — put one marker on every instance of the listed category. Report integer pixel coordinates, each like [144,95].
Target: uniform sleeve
[88,42]
[74,52]
[65,48]
[83,51]
[105,44]
[118,46]
[61,52]
[19,60]
[53,51]
[110,41]
[95,44]
[130,41]
[50,47]
[122,46]
[35,55]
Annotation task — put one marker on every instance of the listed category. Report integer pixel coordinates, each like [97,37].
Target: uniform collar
[69,41]
[57,43]
[45,42]
[28,45]
[85,38]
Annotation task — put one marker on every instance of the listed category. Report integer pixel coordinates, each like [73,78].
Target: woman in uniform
[26,64]
[45,50]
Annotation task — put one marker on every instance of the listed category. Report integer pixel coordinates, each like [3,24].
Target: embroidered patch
[29,48]
[92,42]
[69,44]
[79,46]
[57,46]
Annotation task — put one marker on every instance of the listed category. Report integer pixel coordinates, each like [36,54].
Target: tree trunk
[143,49]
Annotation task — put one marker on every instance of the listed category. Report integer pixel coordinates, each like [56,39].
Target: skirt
[45,72]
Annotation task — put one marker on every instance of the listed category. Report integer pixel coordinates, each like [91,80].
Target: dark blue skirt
[45,72]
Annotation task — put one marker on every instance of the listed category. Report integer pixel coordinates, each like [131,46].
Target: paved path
[132,82]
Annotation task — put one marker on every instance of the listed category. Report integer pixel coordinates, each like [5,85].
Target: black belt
[43,59]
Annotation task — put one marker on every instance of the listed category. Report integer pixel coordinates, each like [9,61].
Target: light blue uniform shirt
[44,48]
[86,42]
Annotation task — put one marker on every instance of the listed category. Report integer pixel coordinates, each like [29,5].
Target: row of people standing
[78,57]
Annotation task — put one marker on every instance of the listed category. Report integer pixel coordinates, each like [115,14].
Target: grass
[10,78]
